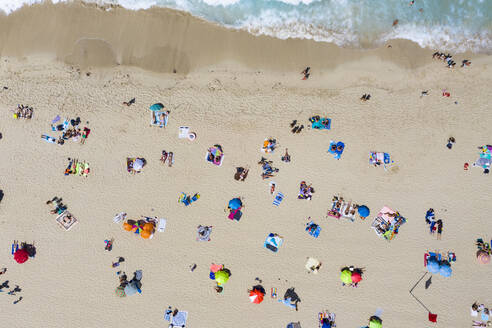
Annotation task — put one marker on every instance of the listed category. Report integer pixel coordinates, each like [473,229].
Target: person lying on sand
[286,157]
[129,103]
[306,73]
[171,159]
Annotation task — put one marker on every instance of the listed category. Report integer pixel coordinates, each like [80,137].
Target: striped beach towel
[278,199]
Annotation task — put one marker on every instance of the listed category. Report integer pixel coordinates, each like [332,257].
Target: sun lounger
[273,242]
[184,131]
[66,220]
[278,199]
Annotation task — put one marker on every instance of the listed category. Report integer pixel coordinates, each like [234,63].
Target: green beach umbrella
[375,324]
[221,277]
[346,277]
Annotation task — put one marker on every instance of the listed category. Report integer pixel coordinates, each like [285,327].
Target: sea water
[451,25]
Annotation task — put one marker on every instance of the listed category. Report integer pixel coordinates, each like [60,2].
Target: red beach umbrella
[356,277]
[21,256]
[256,296]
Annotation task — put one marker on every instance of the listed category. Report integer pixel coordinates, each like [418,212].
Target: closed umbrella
[21,256]
[433,266]
[256,296]
[363,211]
[483,257]
[156,107]
[346,276]
[445,270]
[221,277]
[235,203]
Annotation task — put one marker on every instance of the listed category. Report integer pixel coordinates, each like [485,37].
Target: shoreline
[167,40]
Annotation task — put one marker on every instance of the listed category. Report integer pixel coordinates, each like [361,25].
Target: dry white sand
[71,282]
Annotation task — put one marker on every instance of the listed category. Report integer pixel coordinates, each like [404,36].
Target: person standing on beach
[439,229]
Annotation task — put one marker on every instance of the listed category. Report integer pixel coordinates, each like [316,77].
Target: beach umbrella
[346,276]
[221,277]
[445,270]
[375,324]
[138,164]
[483,257]
[120,291]
[433,266]
[156,107]
[356,277]
[130,289]
[235,203]
[256,296]
[363,211]
[21,256]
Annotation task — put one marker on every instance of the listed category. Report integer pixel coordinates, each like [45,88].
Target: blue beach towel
[313,229]
[278,199]
[319,124]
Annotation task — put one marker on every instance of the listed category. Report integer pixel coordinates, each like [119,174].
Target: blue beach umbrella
[156,107]
[363,211]
[445,270]
[235,203]
[433,266]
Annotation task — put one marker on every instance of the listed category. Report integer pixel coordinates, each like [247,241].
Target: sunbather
[129,103]
[171,159]
[241,173]
[286,157]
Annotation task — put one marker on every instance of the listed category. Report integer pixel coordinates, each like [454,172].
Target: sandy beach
[235,90]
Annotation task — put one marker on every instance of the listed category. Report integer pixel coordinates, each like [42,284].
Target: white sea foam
[459,26]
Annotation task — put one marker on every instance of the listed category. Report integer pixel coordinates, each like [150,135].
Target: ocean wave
[457,25]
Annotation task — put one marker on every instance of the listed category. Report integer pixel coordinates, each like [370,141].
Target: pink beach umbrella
[483,257]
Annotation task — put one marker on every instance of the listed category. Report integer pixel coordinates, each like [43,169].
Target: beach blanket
[273,242]
[159,118]
[66,220]
[48,138]
[322,123]
[119,217]
[204,233]
[215,155]
[179,320]
[334,149]
[235,214]
[162,225]
[312,265]
[313,229]
[377,158]
[278,199]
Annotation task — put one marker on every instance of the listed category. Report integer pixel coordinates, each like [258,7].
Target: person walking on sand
[129,103]
[306,73]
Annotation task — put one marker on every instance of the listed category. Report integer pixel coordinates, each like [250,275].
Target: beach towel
[313,229]
[129,163]
[179,320]
[119,217]
[66,220]
[48,138]
[273,242]
[278,199]
[162,225]
[159,118]
[336,153]
[235,215]
[217,154]
[184,131]
[204,233]
[321,124]
[312,265]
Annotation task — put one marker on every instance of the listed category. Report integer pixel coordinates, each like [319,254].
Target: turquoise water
[452,25]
